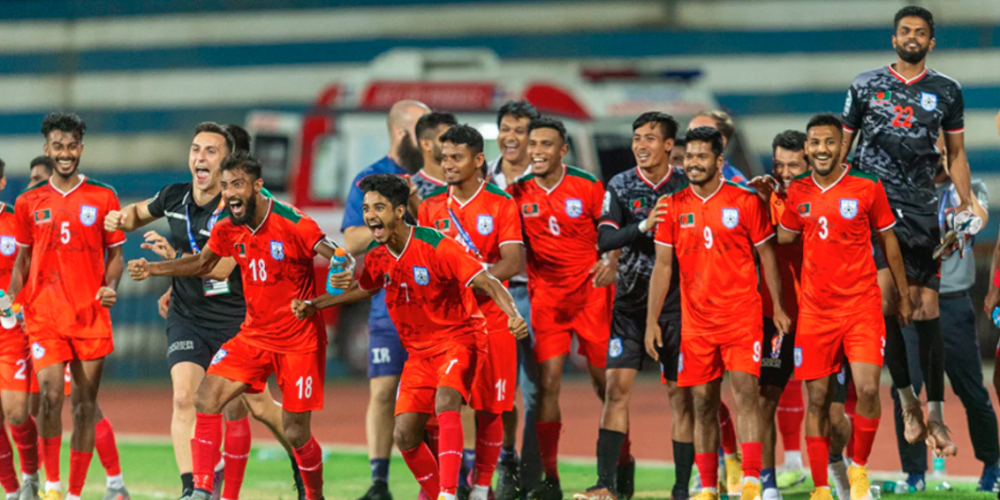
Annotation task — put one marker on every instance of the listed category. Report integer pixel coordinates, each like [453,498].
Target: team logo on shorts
[842,375]
[798,357]
[928,101]
[37,350]
[277,250]
[88,215]
[574,207]
[219,356]
[687,220]
[442,224]
[848,208]
[7,245]
[484,224]
[730,217]
[421,275]
[680,362]
[615,348]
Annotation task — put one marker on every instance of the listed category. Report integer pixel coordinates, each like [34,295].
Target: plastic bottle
[8,320]
[996,317]
[337,265]
[938,468]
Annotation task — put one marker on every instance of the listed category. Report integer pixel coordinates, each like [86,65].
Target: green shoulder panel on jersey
[741,186]
[36,186]
[496,190]
[680,188]
[438,192]
[853,172]
[524,179]
[92,182]
[8,208]
[803,175]
[265,193]
[583,174]
[286,212]
[428,235]
[372,246]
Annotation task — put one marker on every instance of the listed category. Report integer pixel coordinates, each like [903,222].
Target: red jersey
[713,240]
[276,264]
[789,259]
[488,221]
[8,254]
[427,291]
[560,230]
[68,245]
[838,270]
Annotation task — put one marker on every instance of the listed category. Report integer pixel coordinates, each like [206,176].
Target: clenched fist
[107,296]
[114,220]
[518,327]
[302,308]
[138,269]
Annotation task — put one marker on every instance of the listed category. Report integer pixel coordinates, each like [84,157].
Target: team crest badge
[37,350]
[529,210]
[7,245]
[421,275]
[43,216]
[88,215]
[687,220]
[277,250]
[928,101]
[848,208]
[484,224]
[798,357]
[730,217]
[219,356]
[615,348]
[442,224]
[574,207]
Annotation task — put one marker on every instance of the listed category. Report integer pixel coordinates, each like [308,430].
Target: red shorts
[455,368]
[705,357]
[496,376]
[554,325]
[300,376]
[50,350]
[821,342]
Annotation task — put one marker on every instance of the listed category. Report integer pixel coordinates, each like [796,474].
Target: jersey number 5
[64,232]
[899,121]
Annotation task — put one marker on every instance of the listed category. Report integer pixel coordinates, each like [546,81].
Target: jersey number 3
[899,121]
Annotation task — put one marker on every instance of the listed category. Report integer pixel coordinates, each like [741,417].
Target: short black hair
[243,161]
[66,122]
[668,125]
[680,141]
[431,121]
[48,163]
[390,186]
[241,138]
[706,134]
[824,120]
[791,140]
[517,109]
[465,134]
[215,128]
[913,11]
[548,122]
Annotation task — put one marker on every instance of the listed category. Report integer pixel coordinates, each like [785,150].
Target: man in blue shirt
[385,354]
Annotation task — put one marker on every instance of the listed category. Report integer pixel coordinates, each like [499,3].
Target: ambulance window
[614,153]
[273,152]
[327,181]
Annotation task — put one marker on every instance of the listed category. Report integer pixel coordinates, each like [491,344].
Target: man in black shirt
[627,223]
[897,111]
[205,312]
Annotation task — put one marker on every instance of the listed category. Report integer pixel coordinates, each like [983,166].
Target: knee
[549,384]
[51,399]
[17,415]
[296,434]
[616,396]
[206,403]
[867,391]
[383,396]
[183,401]
[83,412]
[406,439]
[235,410]
[817,402]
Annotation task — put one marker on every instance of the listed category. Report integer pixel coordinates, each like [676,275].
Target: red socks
[791,412]
[204,449]
[450,450]
[107,449]
[236,451]
[424,467]
[8,475]
[50,456]
[708,469]
[864,437]
[625,455]
[489,438]
[752,459]
[433,434]
[548,446]
[79,463]
[728,434]
[26,438]
[818,449]
[310,460]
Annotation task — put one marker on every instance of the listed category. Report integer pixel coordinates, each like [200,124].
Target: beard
[67,175]
[410,157]
[710,174]
[911,57]
[249,208]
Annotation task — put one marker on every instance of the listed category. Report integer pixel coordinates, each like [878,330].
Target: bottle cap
[340,252]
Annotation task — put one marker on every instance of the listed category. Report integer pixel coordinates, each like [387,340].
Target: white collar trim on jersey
[904,79]
[549,191]
[649,183]
[462,204]
[705,200]
[82,178]
[842,175]
[433,180]
[407,245]
[270,205]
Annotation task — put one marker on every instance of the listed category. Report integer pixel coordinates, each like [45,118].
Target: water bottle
[18,313]
[996,317]
[337,265]
[944,486]
[888,487]
[8,320]
[938,462]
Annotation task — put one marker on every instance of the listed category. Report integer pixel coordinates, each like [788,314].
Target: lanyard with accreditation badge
[210,286]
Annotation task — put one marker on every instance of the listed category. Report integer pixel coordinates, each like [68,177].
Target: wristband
[996,278]
[642,226]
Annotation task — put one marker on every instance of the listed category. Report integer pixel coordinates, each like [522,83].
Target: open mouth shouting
[377,228]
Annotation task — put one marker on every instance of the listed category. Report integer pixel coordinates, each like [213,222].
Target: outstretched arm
[189,265]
